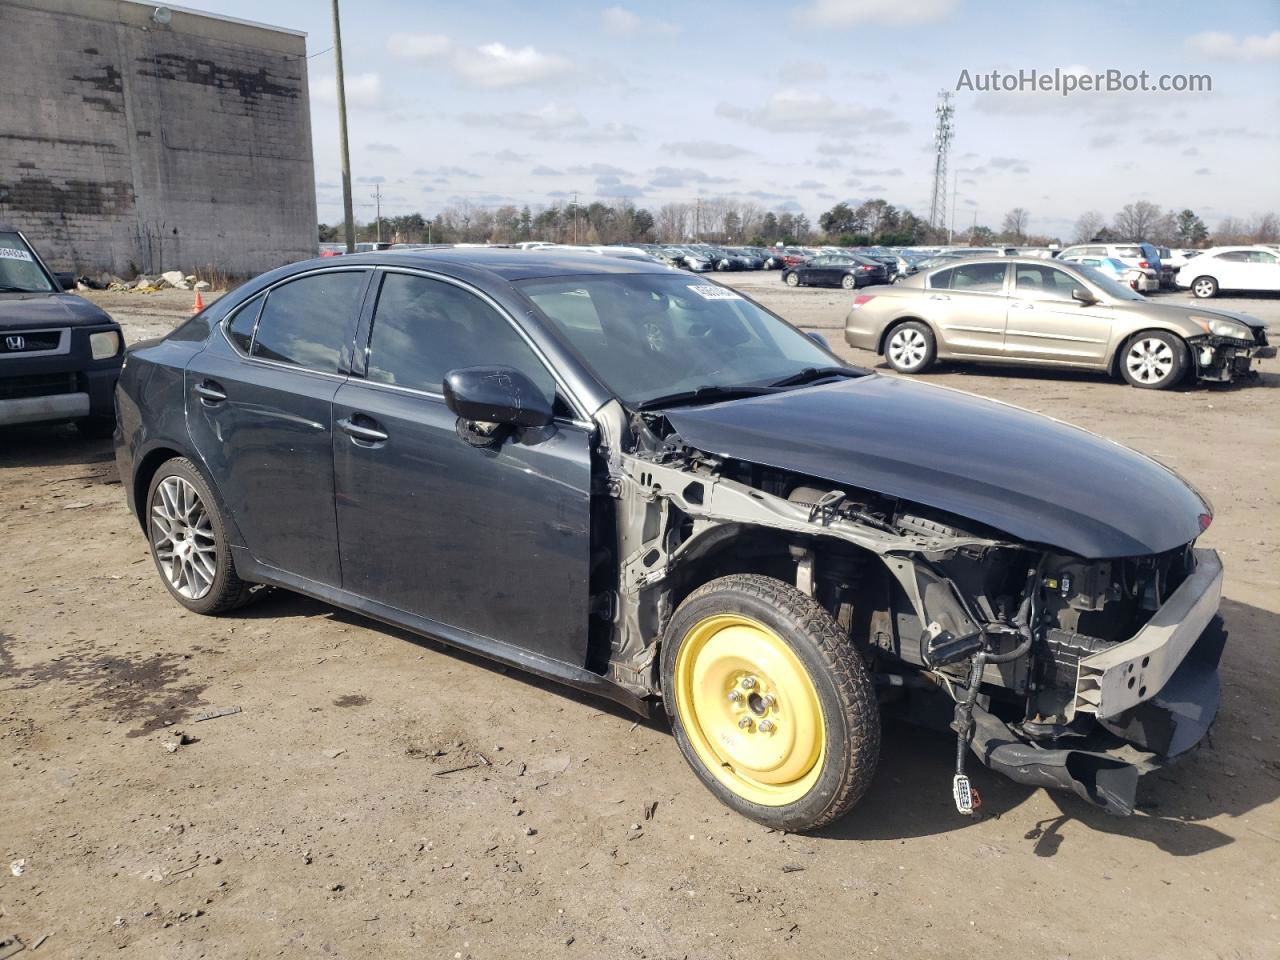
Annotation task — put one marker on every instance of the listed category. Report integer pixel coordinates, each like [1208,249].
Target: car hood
[1177,312]
[21,311]
[1035,478]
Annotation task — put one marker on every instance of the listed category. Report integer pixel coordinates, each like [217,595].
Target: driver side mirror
[819,339]
[501,395]
[1083,295]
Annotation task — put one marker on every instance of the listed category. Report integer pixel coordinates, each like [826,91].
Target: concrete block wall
[128,145]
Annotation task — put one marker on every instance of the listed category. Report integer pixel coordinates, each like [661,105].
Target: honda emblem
[15,343]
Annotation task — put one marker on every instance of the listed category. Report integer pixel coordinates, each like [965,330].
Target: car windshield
[1108,285]
[652,335]
[19,272]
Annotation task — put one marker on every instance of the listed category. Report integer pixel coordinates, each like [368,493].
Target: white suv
[1231,268]
[1140,256]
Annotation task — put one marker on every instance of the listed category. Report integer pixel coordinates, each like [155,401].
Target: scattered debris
[36,946]
[650,808]
[18,867]
[469,766]
[791,868]
[178,739]
[335,754]
[10,945]
[220,712]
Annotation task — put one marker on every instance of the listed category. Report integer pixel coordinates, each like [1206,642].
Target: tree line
[729,221]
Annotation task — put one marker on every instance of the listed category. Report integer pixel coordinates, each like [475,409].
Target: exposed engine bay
[1054,669]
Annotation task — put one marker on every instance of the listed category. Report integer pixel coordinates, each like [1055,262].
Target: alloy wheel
[1149,360]
[183,539]
[1203,289]
[907,348]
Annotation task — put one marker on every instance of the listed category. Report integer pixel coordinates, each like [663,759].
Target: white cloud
[363,89]
[548,119]
[677,177]
[801,111]
[376,147]
[496,65]
[418,46]
[798,72]
[623,22]
[599,170]
[706,150]
[1227,46]
[852,13]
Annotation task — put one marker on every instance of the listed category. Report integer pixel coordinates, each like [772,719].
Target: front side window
[1234,256]
[971,278]
[1044,283]
[307,322]
[423,328]
[19,272]
[651,335]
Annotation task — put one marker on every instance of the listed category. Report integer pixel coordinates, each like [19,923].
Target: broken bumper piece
[1104,767]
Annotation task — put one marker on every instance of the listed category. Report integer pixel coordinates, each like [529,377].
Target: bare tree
[1015,223]
[1137,220]
[672,222]
[1088,224]
[1265,229]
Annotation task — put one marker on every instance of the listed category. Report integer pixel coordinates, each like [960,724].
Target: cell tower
[942,146]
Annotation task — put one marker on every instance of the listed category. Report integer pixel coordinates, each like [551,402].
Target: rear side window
[423,328]
[1234,256]
[240,330]
[308,322]
[971,277]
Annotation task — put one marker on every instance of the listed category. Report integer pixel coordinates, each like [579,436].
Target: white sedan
[1253,268]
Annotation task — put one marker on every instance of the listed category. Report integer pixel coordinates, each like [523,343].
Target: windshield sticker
[8,253]
[709,292]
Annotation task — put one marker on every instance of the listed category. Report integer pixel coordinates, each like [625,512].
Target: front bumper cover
[1104,767]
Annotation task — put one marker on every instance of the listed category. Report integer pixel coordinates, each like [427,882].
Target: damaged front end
[1054,670]
[1228,359]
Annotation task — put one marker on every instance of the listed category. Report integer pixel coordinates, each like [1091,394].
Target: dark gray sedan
[647,486]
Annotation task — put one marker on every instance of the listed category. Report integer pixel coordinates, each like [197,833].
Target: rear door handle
[360,432]
[1019,305]
[209,392]
[938,296]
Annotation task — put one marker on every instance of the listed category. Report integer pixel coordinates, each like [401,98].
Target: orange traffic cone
[198,305]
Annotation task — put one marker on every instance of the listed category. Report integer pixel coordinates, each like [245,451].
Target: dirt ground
[380,796]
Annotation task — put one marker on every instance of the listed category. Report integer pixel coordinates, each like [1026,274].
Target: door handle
[938,296]
[360,432]
[1020,305]
[209,392]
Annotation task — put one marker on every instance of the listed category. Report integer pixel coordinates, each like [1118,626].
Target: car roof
[509,264]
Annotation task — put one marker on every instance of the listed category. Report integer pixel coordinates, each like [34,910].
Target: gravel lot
[380,796]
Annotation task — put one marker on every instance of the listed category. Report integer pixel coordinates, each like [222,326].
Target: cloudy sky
[793,105]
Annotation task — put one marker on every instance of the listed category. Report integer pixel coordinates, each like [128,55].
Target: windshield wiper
[709,393]
[809,374]
[17,290]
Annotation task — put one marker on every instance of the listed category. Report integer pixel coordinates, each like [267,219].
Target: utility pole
[575,218]
[348,218]
[951,227]
[377,199]
[697,219]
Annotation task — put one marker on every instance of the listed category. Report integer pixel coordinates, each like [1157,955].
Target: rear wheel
[770,703]
[911,347]
[1205,287]
[189,541]
[1154,360]
[848,281]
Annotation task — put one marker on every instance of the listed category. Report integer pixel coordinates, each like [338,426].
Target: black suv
[60,355]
